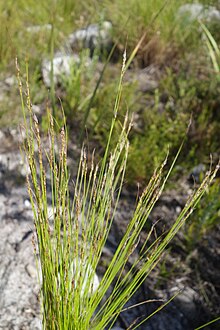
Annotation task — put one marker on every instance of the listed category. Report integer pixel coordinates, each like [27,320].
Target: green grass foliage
[69,242]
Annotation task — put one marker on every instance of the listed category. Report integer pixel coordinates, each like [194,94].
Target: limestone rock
[94,36]
[61,67]
[195,11]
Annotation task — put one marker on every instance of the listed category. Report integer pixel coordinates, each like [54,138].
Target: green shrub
[207,214]
[159,132]
[205,217]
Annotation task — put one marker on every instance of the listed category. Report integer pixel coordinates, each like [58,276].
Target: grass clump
[69,243]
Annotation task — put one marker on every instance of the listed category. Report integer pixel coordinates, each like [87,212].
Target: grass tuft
[69,242]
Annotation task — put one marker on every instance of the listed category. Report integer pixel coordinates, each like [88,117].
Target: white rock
[36,324]
[62,64]
[178,209]
[36,109]
[92,36]
[10,81]
[27,204]
[88,274]
[31,270]
[198,11]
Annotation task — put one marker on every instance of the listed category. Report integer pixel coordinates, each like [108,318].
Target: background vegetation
[187,85]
